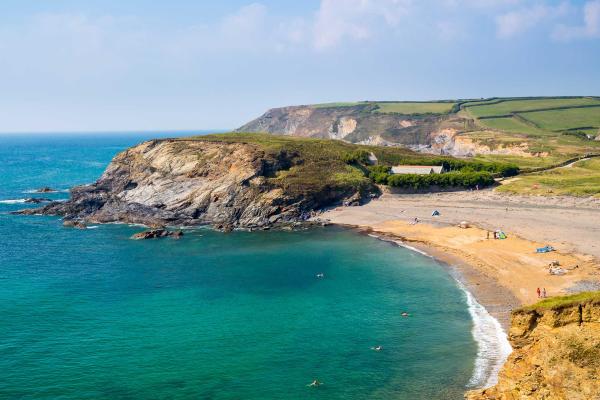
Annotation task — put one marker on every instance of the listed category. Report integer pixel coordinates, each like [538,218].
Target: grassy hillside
[322,164]
[580,179]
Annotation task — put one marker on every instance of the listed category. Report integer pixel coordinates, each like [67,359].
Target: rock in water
[45,189]
[69,223]
[157,233]
[37,200]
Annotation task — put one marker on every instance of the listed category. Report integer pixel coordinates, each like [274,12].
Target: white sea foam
[15,201]
[493,347]
[401,244]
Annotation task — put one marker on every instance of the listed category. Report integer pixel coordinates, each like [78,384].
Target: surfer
[405,314]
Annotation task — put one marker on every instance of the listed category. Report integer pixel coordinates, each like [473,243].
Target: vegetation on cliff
[556,355]
[320,163]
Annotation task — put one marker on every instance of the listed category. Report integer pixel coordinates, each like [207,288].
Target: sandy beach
[502,274]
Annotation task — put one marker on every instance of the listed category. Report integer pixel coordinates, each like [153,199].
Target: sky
[142,65]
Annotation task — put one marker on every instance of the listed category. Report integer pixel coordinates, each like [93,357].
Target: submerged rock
[69,223]
[45,189]
[157,233]
[37,200]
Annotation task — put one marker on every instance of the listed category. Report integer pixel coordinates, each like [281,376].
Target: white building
[417,169]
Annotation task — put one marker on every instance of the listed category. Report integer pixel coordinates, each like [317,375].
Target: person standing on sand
[544,293]
[538,292]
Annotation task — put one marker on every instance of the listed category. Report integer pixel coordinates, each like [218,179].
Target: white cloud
[519,21]
[590,27]
[337,20]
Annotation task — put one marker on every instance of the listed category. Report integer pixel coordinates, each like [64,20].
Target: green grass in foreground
[554,303]
[582,179]
[415,108]
[515,106]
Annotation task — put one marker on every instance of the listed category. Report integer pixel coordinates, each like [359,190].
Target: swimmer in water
[378,348]
[405,314]
[315,383]
[320,275]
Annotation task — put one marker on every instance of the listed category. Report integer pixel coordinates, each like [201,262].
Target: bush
[356,157]
[451,179]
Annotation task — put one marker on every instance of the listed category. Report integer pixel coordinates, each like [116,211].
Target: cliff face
[556,354]
[192,182]
[364,123]
[356,124]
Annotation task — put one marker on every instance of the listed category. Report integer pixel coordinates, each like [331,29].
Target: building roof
[417,169]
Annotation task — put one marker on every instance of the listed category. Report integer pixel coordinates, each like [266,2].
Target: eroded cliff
[556,352]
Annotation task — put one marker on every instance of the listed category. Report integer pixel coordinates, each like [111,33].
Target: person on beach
[544,293]
[538,292]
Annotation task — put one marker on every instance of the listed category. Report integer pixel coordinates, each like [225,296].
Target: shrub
[451,179]
[356,157]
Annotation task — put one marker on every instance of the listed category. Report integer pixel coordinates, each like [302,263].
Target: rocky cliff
[556,352]
[360,123]
[229,182]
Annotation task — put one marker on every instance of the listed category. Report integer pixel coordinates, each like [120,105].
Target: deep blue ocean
[91,314]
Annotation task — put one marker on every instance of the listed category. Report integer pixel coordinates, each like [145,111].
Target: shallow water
[92,314]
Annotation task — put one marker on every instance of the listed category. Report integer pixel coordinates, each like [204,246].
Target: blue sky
[73,65]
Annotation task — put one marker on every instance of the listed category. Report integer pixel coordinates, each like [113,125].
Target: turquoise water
[93,315]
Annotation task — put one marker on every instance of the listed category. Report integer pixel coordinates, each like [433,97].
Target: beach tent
[545,249]
[500,234]
[436,213]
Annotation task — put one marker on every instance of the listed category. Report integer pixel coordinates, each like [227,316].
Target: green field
[514,106]
[415,108]
[339,104]
[510,124]
[399,107]
[571,118]
[582,179]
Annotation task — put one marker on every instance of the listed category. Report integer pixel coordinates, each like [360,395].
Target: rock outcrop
[227,184]
[556,354]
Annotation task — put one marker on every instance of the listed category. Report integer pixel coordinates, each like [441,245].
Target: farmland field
[510,106]
[339,104]
[415,108]
[508,124]
[556,120]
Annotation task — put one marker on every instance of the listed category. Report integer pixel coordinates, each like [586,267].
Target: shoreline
[496,276]
[490,329]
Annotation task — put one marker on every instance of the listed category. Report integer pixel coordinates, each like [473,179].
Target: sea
[91,314]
